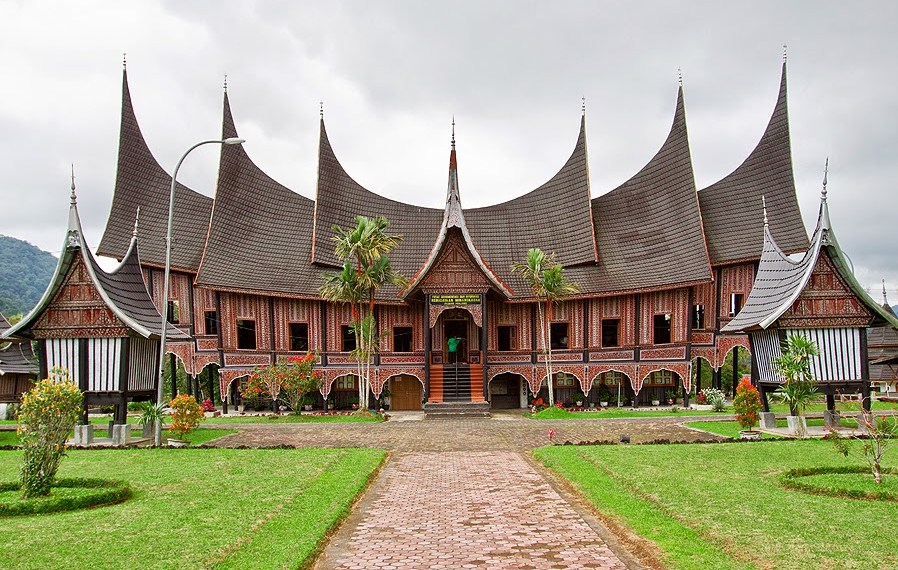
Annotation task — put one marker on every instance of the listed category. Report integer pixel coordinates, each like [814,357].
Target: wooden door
[405,393]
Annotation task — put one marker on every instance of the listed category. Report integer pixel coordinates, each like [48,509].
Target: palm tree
[547,282]
[366,268]
[794,364]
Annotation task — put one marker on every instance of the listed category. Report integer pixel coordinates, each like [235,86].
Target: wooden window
[612,378]
[662,329]
[661,378]
[347,338]
[558,335]
[246,334]
[174,312]
[211,318]
[564,380]
[736,302]
[610,332]
[345,383]
[506,337]
[402,339]
[698,317]
[299,337]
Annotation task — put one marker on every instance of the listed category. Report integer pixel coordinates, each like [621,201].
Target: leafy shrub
[747,404]
[186,414]
[715,399]
[102,492]
[46,415]
[207,405]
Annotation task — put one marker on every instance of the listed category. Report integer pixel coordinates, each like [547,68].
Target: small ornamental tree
[46,415]
[880,432]
[264,381]
[186,415]
[747,404]
[300,380]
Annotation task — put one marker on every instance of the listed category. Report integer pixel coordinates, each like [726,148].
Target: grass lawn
[195,437]
[731,428]
[720,505]
[293,419]
[554,413]
[210,508]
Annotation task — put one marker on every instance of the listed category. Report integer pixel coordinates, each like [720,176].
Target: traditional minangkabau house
[102,327]
[18,366]
[662,269]
[882,344]
[815,296]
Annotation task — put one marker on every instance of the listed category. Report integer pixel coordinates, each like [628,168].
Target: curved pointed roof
[649,229]
[259,234]
[731,207]
[141,182]
[339,199]
[122,290]
[780,280]
[555,217]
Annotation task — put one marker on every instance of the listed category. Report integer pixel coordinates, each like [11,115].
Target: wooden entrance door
[457,328]
[405,393]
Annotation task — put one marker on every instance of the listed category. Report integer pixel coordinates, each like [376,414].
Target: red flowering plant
[300,380]
[207,405]
[747,404]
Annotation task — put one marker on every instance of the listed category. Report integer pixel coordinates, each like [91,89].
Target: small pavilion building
[816,296]
[102,327]
[18,366]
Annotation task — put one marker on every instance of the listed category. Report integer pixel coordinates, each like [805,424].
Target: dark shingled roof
[649,229]
[4,324]
[259,236]
[18,358]
[140,181]
[556,217]
[780,280]
[123,289]
[340,199]
[731,208]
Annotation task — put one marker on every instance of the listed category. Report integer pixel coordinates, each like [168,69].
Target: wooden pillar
[830,401]
[735,368]
[483,343]
[865,394]
[173,369]
[765,401]
[222,395]
[698,376]
[427,349]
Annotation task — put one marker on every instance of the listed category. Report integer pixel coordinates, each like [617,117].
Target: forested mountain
[25,272]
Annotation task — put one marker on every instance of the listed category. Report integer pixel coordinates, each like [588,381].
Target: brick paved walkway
[467,510]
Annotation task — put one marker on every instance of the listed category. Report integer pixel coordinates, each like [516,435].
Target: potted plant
[671,396]
[354,402]
[579,398]
[151,413]
[656,401]
[604,395]
[307,402]
[747,405]
[798,390]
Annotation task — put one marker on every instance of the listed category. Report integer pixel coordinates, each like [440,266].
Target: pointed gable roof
[780,280]
[259,238]
[555,217]
[339,199]
[141,182]
[454,218]
[731,207]
[649,229]
[122,290]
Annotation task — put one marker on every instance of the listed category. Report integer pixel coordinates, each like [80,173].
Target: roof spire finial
[136,217]
[825,174]
[321,109]
[453,132]
[583,105]
[680,76]
[764,206]
[784,53]
[885,300]
[74,197]
[124,60]
[226,83]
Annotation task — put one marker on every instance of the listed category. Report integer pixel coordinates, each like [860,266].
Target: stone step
[449,410]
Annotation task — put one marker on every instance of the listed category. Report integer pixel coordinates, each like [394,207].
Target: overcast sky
[392,75]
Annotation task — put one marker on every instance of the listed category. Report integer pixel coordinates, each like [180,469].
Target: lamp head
[234,140]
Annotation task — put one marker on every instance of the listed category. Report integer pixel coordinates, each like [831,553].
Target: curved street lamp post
[157,436]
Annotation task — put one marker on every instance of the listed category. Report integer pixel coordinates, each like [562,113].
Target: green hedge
[791,480]
[103,492]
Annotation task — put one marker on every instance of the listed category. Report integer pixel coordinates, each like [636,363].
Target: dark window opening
[610,332]
[506,336]
[736,301]
[347,336]
[698,317]
[246,334]
[558,335]
[174,312]
[299,337]
[402,339]
[211,322]
[662,329]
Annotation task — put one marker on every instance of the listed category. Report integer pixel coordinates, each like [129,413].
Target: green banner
[455,299]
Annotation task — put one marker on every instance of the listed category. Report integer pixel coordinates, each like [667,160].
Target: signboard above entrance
[455,299]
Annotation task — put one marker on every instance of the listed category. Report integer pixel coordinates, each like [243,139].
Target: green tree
[547,282]
[364,250]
